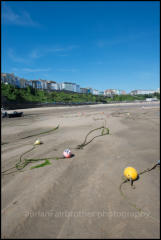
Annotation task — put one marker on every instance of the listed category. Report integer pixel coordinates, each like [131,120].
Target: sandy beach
[79,197]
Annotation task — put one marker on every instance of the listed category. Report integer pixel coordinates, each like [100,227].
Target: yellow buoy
[130,173]
[37,142]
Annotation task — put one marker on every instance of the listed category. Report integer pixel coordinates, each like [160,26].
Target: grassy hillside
[29,94]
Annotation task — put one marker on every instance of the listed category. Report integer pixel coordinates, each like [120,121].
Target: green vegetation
[47,162]
[29,94]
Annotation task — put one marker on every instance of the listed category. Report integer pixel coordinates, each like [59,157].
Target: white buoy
[67,153]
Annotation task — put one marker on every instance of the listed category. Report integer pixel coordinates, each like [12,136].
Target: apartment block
[28,83]
[158,90]
[43,84]
[10,78]
[52,85]
[73,87]
[100,93]
[37,84]
[122,92]
[111,92]
[77,88]
[84,90]
[139,92]
[89,90]
[95,92]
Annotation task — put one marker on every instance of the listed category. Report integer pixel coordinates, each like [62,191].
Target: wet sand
[79,197]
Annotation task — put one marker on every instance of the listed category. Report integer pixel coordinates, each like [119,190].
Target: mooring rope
[22,164]
[126,197]
[105,131]
[33,135]
[41,133]
[121,192]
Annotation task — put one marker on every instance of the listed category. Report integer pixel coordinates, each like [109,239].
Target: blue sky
[95,44]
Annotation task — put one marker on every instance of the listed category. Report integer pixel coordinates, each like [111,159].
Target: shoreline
[121,104]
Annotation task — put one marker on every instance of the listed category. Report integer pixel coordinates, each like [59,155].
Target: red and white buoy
[67,153]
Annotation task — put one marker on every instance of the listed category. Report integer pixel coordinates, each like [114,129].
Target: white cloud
[35,54]
[42,51]
[120,39]
[71,47]
[38,53]
[13,56]
[112,42]
[63,55]
[97,62]
[55,49]
[67,70]
[36,70]
[12,18]
[31,70]
[60,48]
